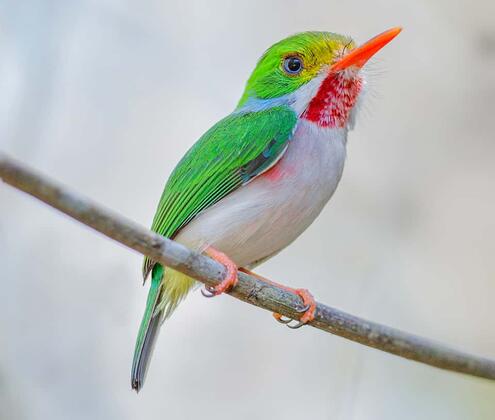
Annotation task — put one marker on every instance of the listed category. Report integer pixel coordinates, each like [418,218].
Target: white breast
[263,217]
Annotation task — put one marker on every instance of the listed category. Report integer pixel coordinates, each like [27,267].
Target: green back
[230,154]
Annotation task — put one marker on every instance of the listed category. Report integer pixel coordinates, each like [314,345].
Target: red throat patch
[334,101]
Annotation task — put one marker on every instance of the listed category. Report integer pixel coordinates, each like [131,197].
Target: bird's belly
[263,217]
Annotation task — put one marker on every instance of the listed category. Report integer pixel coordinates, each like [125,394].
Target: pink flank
[334,101]
[275,173]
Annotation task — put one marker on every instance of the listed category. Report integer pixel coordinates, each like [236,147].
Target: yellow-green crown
[273,77]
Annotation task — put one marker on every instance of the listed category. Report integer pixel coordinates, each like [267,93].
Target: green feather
[230,154]
[148,331]
[316,49]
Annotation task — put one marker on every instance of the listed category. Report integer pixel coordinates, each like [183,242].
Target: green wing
[230,154]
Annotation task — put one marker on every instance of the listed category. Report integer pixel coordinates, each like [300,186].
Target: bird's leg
[230,279]
[308,300]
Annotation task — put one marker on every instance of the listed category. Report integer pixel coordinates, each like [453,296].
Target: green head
[293,62]
[309,66]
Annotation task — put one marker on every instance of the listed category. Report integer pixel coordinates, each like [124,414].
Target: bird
[260,176]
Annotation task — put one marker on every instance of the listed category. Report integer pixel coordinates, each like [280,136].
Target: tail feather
[148,331]
[164,296]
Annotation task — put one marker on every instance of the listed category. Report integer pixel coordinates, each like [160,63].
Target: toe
[231,277]
[308,301]
[280,318]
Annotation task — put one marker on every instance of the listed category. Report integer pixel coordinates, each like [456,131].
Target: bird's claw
[308,311]
[230,279]
[208,292]
[304,309]
[281,319]
[296,326]
[287,321]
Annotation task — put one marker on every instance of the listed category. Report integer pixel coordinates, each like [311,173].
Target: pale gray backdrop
[106,95]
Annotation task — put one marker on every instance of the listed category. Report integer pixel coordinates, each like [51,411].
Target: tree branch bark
[249,289]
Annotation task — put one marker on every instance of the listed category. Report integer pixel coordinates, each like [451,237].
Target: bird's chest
[308,174]
[292,193]
[264,216]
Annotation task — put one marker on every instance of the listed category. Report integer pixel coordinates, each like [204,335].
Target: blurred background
[107,95]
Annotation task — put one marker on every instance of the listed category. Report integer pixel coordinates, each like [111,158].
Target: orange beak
[360,55]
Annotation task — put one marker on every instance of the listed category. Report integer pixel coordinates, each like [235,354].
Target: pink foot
[309,305]
[307,298]
[230,279]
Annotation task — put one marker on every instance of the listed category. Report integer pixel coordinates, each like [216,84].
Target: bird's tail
[166,292]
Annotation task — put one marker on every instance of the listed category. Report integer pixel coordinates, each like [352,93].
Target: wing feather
[232,153]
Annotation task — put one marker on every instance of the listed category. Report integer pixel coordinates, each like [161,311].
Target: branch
[249,289]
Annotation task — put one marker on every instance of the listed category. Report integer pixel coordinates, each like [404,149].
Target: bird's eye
[293,65]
